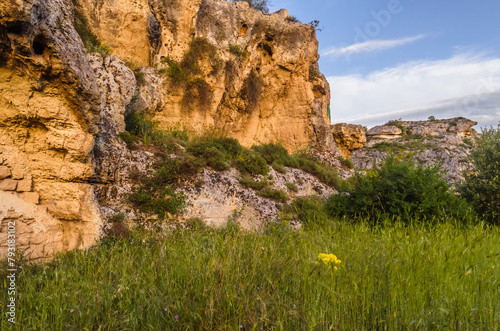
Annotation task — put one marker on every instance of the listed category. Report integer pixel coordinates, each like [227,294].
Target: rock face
[49,114]
[348,137]
[447,142]
[252,76]
[261,81]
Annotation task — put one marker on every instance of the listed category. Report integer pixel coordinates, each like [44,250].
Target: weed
[291,186]
[253,184]
[237,50]
[120,217]
[313,73]
[140,77]
[276,195]
[292,19]
[346,162]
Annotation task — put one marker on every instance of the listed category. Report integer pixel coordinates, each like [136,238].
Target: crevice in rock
[39,44]
[154,34]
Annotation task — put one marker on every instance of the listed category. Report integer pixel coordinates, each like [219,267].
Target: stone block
[31,197]
[17,173]
[4,172]
[24,185]
[8,184]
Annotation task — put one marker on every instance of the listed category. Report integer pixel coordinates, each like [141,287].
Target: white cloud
[369,46]
[464,85]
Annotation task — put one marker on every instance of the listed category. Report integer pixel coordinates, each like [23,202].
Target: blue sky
[409,59]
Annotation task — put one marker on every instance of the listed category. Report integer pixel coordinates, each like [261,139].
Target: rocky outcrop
[62,167]
[260,83]
[384,131]
[348,137]
[447,142]
[49,115]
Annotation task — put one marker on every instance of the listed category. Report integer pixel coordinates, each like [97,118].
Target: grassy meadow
[397,277]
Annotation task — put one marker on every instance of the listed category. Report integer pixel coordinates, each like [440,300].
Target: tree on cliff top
[262,5]
[482,182]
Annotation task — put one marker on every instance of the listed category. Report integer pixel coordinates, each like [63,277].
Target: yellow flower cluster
[328,259]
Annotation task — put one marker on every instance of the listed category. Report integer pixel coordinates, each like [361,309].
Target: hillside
[70,72]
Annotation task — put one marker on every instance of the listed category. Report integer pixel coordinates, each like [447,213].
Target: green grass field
[390,277]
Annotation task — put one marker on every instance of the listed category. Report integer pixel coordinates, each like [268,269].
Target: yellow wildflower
[328,259]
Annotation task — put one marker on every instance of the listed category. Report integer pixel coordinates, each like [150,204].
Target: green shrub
[309,210]
[253,184]
[346,162]
[128,139]
[215,159]
[237,50]
[231,146]
[159,201]
[323,172]
[218,152]
[120,217]
[276,195]
[212,152]
[273,153]
[278,167]
[277,156]
[250,162]
[482,181]
[400,190]
[291,186]
[140,127]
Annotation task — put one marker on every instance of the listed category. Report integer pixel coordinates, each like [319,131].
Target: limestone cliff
[255,78]
[261,81]
[447,142]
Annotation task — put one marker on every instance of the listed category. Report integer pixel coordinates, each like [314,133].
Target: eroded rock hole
[243,30]
[39,44]
[15,28]
[268,49]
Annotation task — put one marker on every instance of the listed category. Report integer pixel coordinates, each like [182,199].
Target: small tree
[482,181]
[262,5]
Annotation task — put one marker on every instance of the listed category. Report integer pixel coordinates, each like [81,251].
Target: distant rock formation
[447,142]
[348,137]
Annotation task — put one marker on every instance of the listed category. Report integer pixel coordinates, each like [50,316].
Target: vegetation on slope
[155,192]
[90,40]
